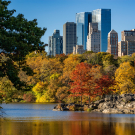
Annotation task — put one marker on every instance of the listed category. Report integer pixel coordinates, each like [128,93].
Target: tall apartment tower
[55,45]
[127,45]
[113,42]
[69,37]
[103,18]
[128,35]
[82,27]
[93,38]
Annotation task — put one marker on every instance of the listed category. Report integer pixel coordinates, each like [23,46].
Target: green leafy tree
[18,37]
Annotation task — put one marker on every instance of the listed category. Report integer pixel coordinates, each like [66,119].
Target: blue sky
[52,14]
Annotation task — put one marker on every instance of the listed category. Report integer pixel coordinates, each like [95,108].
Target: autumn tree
[125,78]
[81,78]
[61,57]
[103,86]
[7,90]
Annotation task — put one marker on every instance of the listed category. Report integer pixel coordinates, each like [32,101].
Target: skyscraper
[113,42]
[82,27]
[103,18]
[69,37]
[55,45]
[93,38]
[127,45]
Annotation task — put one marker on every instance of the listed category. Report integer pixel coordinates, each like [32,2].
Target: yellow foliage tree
[71,62]
[7,89]
[39,90]
[125,77]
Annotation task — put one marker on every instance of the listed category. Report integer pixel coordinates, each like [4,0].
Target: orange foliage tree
[103,85]
[82,79]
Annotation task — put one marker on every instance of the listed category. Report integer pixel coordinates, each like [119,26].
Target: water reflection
[39,119]
[39,127]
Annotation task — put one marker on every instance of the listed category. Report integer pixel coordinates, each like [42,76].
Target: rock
[111,105]
[118,97]
[55,110]
[129,105]
[100,105]
[122,103]
[122,95]
[127,98]
[126,111]
[117,102]
[112,111]
[120,106]
[64,109]
[99,101]
[108,99]
[97,110]
[106,105]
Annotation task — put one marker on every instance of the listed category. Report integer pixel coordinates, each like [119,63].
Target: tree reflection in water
[39,127]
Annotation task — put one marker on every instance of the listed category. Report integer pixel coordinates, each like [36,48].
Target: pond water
[39,119]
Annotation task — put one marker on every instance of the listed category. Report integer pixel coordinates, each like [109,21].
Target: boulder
[126,111]
[99,101]
[108,99]
[122,102]
[127,98]
[129,105]
[112,111]
[120,106]
[122,95]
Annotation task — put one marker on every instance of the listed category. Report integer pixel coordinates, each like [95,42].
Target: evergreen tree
[18,37]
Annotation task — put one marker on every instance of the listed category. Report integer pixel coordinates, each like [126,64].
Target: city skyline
[52,14]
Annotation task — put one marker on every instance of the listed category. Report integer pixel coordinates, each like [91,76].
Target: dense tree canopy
[18,37]
[125,78]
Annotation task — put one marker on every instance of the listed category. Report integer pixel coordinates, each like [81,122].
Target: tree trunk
[89,99]
[81,100]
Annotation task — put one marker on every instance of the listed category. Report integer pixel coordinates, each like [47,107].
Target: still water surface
[39,119]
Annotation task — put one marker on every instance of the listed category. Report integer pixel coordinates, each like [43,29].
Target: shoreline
[122,104]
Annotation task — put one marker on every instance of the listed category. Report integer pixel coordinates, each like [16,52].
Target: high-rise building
[93,38]
[103,18]
[69,37]
[126,48]
[82,27]
[128,35]
[55,45]
[113,42]
[78,49]
[127,45]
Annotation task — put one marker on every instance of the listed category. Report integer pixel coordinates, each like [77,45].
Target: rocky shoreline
[122,104]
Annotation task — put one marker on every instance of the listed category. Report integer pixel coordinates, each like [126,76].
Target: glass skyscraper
[55,45]
[103,18]
[82,27]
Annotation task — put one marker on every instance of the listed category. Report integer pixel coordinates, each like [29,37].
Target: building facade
[55,44]
[103,18]
[128,35]
[69,37]
[82,27]
[93,38]
[78,49]
[127,45]
[113,42]
[126,48]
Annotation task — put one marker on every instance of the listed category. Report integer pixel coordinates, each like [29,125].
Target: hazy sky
[52,14]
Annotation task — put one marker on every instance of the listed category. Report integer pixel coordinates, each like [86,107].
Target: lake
[39,119]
